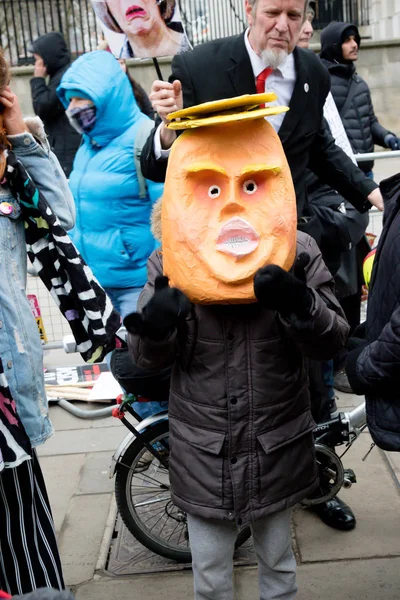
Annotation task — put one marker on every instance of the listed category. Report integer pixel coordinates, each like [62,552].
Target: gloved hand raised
[161,314]
[281,291]
[392,141]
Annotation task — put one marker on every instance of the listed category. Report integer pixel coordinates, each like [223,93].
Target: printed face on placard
[229,208]
[142,28]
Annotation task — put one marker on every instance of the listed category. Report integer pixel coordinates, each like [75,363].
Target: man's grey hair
[253,4]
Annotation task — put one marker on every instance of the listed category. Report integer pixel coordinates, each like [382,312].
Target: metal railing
[376,155]
[206,20]
[22,21]
[349,11]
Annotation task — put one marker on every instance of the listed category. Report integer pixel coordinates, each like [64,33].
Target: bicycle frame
[131,436]
[345,428]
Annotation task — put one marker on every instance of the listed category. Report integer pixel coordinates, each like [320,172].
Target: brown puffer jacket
[240,423]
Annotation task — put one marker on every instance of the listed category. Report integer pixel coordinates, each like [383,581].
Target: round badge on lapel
[6,208]
[306,87]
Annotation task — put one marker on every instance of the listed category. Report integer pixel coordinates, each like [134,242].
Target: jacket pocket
[286,459]
[12,232]
[196,464]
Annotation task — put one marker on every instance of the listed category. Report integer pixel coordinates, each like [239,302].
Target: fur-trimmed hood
[156,227]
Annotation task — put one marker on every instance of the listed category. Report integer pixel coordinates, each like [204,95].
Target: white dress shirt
[281,81]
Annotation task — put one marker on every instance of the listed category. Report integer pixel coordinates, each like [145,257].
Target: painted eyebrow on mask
[260,170]
[201,167]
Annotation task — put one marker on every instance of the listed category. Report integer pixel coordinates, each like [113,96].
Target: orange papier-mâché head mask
[228,209]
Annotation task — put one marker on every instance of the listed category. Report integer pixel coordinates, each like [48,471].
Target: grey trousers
[212,543]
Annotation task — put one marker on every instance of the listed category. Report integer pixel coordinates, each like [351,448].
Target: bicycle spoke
[157,521]
[153,515]
[176,527]
[149,502]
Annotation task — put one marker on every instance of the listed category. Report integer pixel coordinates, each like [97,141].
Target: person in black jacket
[233,66]
[373,363]
[340,43]
[52,58]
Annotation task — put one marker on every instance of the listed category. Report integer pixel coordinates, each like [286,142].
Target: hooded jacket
[241,442]
[112,229]
[63,139]
[373,367]
[362,126]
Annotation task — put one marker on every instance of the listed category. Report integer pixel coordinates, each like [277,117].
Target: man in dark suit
[231,67]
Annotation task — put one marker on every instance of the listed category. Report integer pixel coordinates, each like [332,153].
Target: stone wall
[384,19]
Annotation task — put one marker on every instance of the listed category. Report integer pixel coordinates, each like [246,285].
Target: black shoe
[336,514]
[341,382]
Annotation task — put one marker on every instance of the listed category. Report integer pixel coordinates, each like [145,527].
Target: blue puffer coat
[112,229]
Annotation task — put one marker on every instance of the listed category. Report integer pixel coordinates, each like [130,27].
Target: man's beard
[273,58]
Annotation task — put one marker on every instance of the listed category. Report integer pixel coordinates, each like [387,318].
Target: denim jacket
[20,345]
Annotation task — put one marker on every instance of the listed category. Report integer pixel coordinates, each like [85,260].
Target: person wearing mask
[112,199]
[29,554]
[236,302]
[52,59]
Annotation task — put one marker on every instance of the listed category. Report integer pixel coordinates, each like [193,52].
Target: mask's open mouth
[237,238]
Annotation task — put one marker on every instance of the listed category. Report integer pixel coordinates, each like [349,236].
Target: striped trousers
[29,556]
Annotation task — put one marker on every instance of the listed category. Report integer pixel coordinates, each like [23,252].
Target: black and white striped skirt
[29,557]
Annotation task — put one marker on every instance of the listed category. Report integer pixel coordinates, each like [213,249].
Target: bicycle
[142,484]
[140,464]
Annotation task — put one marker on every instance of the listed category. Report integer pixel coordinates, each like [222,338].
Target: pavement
[364,563]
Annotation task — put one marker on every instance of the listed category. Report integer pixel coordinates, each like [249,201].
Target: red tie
[260,82]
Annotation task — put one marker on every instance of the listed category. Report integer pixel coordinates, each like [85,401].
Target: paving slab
[80,441]
[127,556]
[393,459]
[374,579]
[61,474]
[169,586]
[94,477]
[82,535]
[375,500]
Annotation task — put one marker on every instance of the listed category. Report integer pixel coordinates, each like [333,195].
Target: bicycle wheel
[144,500]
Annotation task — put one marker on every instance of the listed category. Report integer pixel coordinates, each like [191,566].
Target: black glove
[161,314]
[357,340]
[288,294]
[393,142]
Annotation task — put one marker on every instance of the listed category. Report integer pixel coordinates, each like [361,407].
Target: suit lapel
[241,72]
[298,100]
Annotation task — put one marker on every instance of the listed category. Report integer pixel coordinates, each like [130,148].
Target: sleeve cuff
[22,141]
[159,153]
[351,370]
